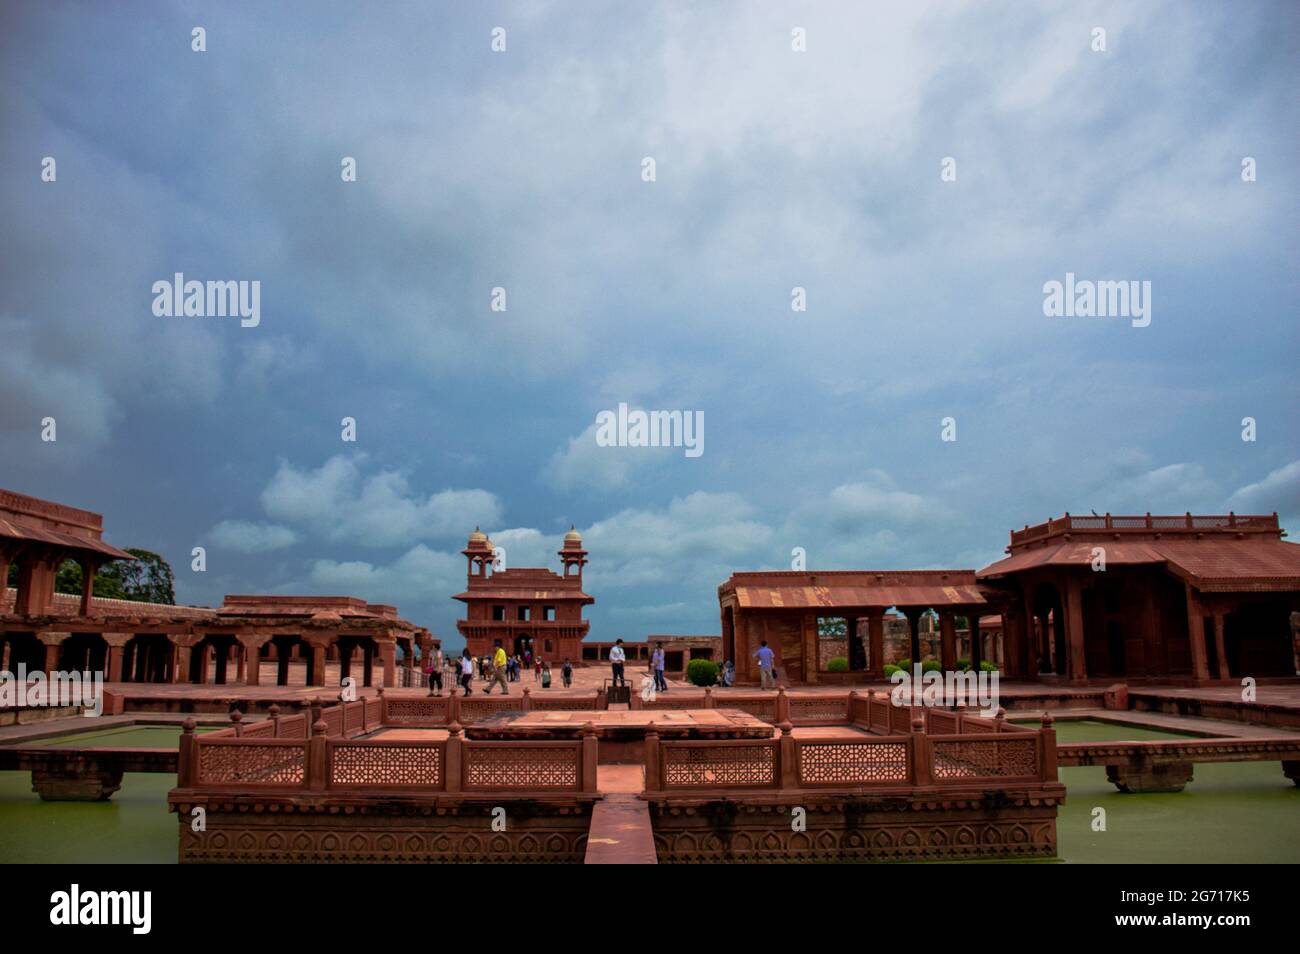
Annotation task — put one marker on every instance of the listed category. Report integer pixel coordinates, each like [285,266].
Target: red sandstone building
[152,642]
[1165,598]
[1180,597]
[526,608]
[791,610]
[1173,598]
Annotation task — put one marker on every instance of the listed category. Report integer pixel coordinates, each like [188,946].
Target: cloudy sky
[523,169]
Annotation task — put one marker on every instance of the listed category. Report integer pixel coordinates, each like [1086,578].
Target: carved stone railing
[904,761]
[232,763]
[1184,522]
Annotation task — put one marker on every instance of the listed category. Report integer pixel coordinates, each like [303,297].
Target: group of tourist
[726,675]
[496,669]
[501,669]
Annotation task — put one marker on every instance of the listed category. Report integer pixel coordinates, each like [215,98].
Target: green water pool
[125,737]
[1233,812]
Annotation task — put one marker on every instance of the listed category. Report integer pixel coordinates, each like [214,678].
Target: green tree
[146,579]
[832,627]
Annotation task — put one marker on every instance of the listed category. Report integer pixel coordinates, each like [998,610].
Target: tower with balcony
[529,609]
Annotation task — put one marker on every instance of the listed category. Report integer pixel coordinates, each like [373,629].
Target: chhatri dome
[573,536]
[478,536]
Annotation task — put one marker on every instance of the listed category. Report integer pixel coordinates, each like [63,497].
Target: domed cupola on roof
[573,555]
[478,551]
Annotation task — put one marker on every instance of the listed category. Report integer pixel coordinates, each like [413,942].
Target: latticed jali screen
[818,711]
[472,710]
[720,765]
[764,709]
[386,764]
[852,762]
[990,758]
[402,711]
[251,763]
[498,766]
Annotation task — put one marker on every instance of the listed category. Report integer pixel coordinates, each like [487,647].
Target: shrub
[891,669]
[838,664]
[904,664]
[963,665]
[986,666]
[931,665]
[702,672]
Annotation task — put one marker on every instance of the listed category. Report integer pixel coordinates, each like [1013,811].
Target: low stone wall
[828,649]
[857,828]
[30,715]
[395,830]
[1252,713]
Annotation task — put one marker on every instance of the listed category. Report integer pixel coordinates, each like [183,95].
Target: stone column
[1220,647]
[976,643]
[388,658]
[1196,636]
[741,639]
[206,655]
[1076,667]
[116,642]
[182,645]
[876,635]
[913,624]
[252,644]
[948,631]
[319,649]
[53,643]
[1009,662]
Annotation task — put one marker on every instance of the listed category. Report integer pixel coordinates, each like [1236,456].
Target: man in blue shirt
[765,658]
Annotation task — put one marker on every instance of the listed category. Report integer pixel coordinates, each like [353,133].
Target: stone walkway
[620,832]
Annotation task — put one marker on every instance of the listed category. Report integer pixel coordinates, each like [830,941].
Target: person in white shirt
[617,657]
[466,669]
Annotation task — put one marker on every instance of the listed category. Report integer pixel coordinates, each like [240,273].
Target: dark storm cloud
[522,170]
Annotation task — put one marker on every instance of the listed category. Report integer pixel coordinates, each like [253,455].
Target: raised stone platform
[622,733]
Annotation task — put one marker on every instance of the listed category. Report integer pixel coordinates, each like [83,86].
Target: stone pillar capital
[117,640]
[52,638]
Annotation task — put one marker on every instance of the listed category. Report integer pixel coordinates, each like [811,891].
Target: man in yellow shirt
[498,671]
